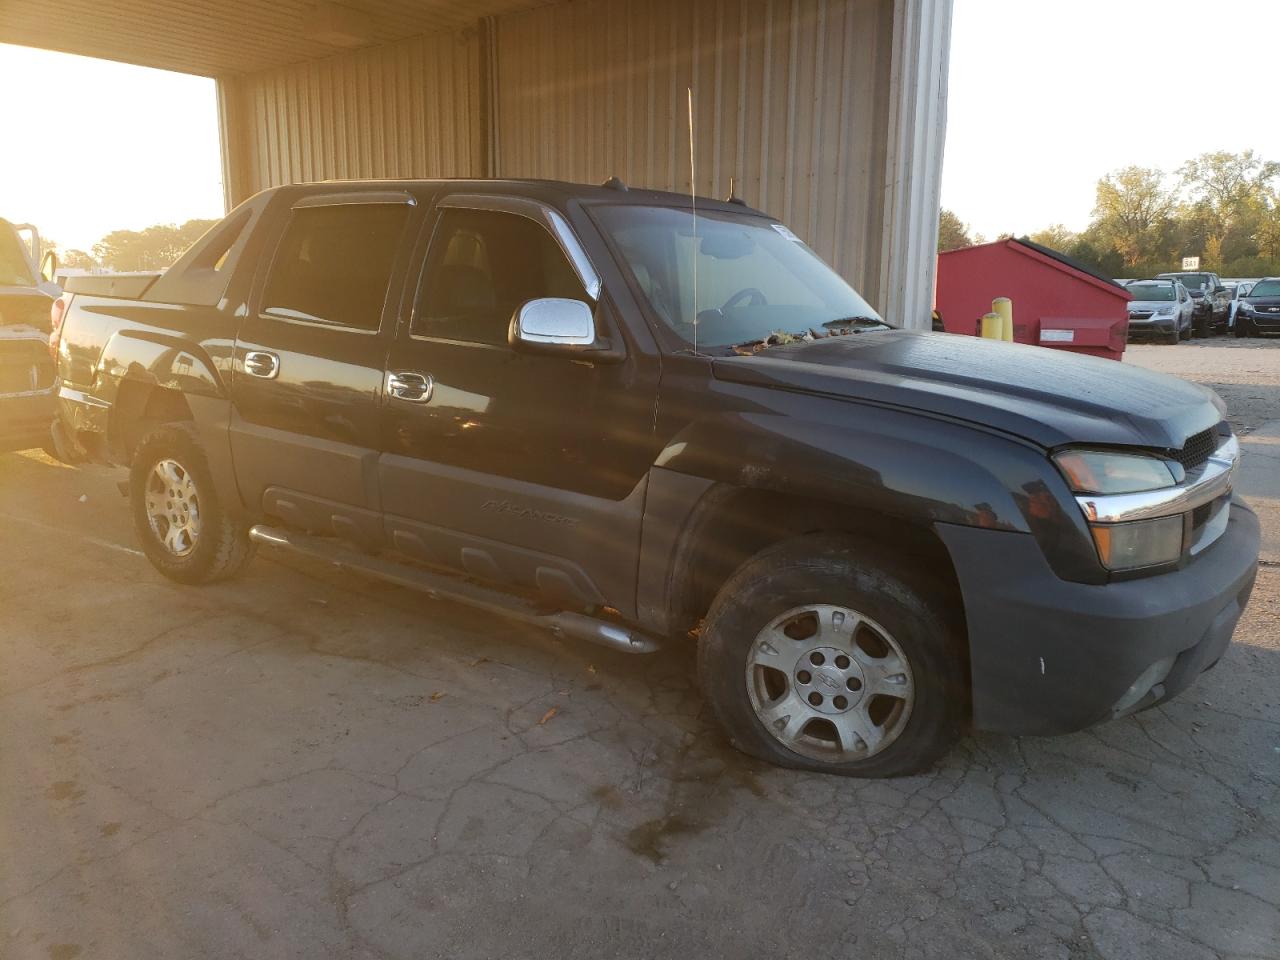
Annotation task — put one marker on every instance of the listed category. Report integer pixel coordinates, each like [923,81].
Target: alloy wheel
[173,507]
[830,683]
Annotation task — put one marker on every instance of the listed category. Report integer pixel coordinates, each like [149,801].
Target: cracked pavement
[305,764]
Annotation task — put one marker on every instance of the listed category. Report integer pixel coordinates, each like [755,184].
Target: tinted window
[1266,288]
[334,263]
[482,267]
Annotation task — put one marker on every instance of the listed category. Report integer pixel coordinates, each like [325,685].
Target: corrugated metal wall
[790,100]
[793,98]
[408,109]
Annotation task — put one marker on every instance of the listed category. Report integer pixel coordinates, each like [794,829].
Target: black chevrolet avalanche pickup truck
[632,418]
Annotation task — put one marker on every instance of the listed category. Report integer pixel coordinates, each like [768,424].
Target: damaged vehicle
[634,419]
[27,386]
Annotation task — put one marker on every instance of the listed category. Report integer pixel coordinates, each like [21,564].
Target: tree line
[1221,207]
[153,248]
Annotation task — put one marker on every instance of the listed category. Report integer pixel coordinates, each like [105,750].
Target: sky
[1046,98]
[107,146]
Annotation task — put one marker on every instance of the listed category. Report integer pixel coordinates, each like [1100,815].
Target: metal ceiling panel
[223,37]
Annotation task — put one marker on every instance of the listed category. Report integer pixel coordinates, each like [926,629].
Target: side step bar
[442,587]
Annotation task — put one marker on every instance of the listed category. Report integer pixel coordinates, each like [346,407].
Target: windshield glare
[1151,291]
[754,278]
[1265,288]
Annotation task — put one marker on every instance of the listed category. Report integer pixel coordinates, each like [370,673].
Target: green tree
[153,248]
[953,234]
[78,260]
[1131,212]
[1228,185]
[1055,236]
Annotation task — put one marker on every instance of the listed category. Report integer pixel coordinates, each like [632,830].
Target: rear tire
[184,529]
[816,657]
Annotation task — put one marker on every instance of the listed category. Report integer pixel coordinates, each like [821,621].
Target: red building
[1057,302]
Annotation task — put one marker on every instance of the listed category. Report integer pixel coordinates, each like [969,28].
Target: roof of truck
[552,191]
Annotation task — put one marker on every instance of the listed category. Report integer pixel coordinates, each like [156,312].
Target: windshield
[1194,281]
[754,278]
[1151,291]
[1265,288]
[15,271]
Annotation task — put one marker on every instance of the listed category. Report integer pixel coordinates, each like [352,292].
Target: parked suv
[1160,308]
[1212,304]
[1259,312]
[26,370]
[634,421]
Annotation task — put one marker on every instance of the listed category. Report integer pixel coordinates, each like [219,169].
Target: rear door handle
[260,363]
[413,387]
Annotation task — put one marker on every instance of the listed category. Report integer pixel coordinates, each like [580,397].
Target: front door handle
[260,363]
[413,387]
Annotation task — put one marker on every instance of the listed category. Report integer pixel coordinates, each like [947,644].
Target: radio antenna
[693,203]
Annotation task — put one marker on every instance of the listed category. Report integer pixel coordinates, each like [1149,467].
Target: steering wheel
[752,295]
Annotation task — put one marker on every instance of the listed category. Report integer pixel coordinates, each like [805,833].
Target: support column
[234,149]
[913,163]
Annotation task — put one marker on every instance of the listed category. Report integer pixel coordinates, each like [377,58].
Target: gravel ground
[302,764]
[1245,373]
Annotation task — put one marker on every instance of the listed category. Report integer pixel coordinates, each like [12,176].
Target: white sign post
[1190,263]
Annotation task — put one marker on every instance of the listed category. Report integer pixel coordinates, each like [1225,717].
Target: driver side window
[483,265]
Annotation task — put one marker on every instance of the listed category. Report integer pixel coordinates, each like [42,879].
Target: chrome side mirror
[552,324]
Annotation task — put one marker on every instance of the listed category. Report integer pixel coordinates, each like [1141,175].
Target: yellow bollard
[992,327]
[1003,306]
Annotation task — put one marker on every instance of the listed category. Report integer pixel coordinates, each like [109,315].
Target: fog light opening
[1150,678]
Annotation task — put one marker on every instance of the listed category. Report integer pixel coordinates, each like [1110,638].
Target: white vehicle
[1239,291]
[1160,308]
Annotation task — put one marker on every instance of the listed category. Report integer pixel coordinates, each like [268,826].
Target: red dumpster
[1057,302]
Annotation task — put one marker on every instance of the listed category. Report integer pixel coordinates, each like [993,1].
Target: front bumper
[1049,656]
[1153,326]
[26,421]
[1263,322]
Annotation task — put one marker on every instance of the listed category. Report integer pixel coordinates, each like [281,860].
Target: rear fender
[172,363]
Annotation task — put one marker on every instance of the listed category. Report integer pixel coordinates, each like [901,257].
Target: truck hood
[1049,397]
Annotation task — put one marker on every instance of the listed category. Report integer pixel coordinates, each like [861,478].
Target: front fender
[896,464]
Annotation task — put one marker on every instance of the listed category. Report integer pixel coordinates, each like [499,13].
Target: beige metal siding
[408,109]
[791,100]
[828,114]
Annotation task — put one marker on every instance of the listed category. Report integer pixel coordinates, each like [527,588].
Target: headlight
[1139,543]
[1165,312]
[1136,543]
[1104,472]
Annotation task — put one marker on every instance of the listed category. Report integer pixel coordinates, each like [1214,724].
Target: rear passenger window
[334,263]
[483,265]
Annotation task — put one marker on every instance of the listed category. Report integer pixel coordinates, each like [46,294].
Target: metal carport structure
[829,114]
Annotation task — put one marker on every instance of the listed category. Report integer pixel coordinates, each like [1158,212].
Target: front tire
[184,529]
[816,657]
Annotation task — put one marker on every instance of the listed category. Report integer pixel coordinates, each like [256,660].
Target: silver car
[1160,308]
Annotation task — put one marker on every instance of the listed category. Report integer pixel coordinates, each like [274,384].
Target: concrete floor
[303,765]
